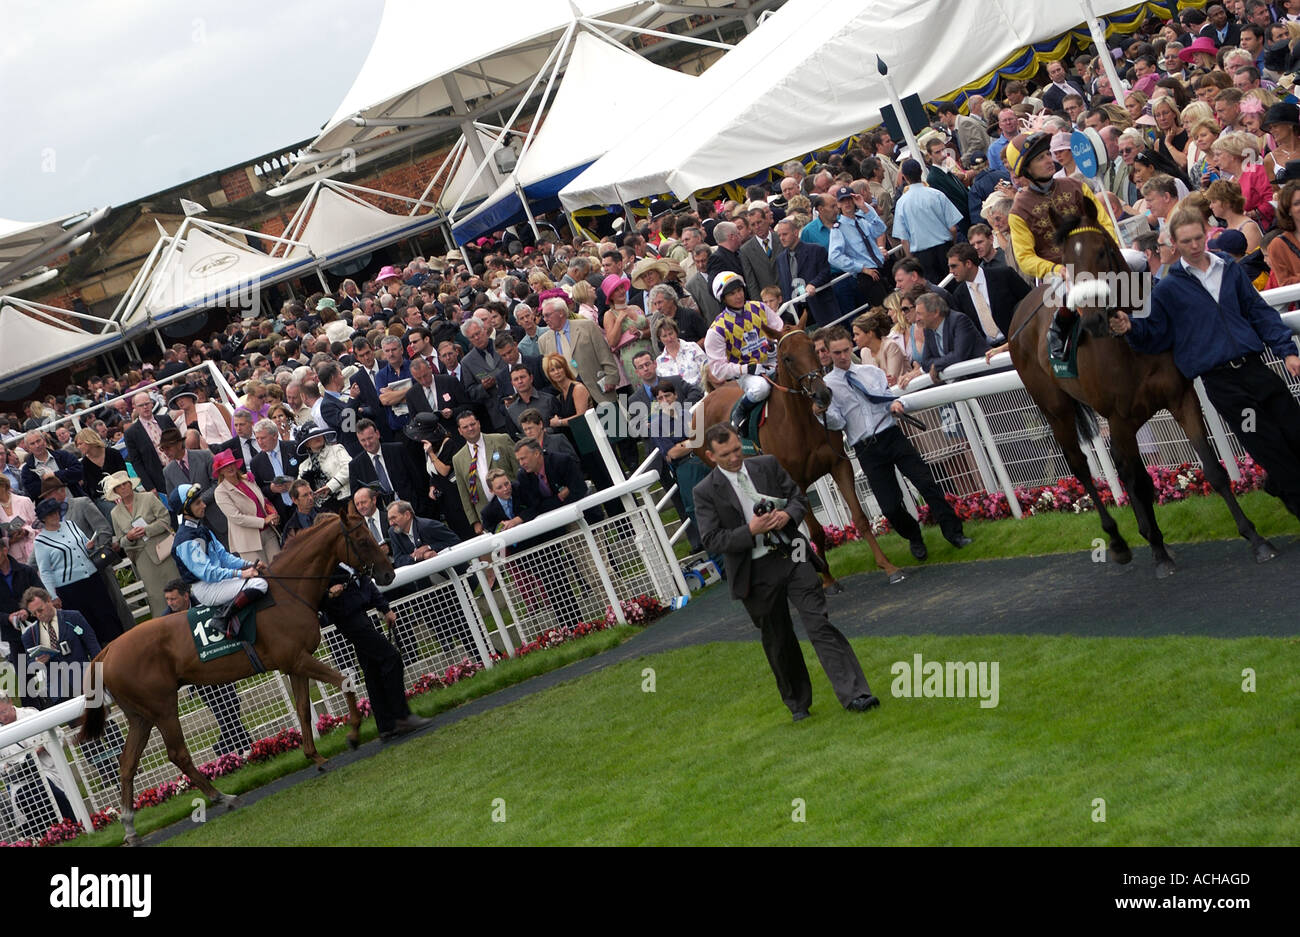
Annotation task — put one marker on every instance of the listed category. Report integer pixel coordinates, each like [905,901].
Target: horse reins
[365,570]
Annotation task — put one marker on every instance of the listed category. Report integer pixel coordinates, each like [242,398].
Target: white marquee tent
[37,339]
[495,65]
[806,78]
[572,135]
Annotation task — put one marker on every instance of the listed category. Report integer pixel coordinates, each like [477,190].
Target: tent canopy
[807,77]
[492,64]
[572,135]
[336,225]
[35,345]
[26,245]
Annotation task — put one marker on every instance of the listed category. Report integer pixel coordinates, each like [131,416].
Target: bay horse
[803,446]
[145,668]
[1125,387]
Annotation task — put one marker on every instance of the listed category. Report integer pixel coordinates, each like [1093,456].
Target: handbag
[102,557]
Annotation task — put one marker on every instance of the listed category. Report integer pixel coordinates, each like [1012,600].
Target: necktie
[857,385]
[382,474]
[374,529]
[871,250]
[982,309]
[508,508]
[938,339]
[767,245]
[559,343]
[473,473]
[794,265]
[747,486]
[541,483]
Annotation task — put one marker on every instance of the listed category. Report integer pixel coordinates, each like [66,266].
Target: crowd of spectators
[452,391]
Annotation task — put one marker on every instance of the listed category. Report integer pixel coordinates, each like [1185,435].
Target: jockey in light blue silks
[216,577]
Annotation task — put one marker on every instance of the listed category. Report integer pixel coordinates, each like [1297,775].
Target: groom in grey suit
[768,582]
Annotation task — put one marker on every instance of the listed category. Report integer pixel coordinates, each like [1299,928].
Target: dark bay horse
[803,446]
[145,668]
[1125,387]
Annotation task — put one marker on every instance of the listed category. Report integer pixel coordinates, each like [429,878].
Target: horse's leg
[302,705]
[842,472]
[1065,428]
[137,736]
[307,668]
[1190,418]
[1141,491]
[179,754]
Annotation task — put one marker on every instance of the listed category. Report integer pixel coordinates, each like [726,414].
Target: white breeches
[755,388]
[216,594]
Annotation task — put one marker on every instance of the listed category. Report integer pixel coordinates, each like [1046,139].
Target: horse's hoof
[833,588]
[231,802]
[1123,555]
[354,741]
[131,840]
[1264,551]
[1165,569]
[322,766]
[896,577]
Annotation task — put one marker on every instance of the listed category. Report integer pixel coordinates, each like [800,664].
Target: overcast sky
[102,103]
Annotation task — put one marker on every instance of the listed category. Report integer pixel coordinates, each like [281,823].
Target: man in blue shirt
[1009,126]
[857,242]
[1207,313]
[863,405]
[925,220]
[818,231]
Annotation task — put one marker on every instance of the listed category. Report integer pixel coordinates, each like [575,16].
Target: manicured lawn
[1159,729]
[1196,519]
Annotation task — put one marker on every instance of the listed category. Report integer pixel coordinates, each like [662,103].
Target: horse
[803,446]
[1125,387]
[144,668]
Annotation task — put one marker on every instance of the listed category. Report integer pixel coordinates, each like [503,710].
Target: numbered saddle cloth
[208,628]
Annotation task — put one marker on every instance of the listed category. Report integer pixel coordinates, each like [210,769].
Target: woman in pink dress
[13,505]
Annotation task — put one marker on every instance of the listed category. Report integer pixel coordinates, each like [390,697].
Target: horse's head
[360,551]
[1100,282]
[799,368]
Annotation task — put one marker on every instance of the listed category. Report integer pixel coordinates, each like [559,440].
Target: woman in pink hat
[626,328]
[252,521]
[1201,53]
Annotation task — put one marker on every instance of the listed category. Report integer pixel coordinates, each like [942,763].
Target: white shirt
[1211,278]
[746,502]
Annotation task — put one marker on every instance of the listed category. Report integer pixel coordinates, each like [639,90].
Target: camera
[781,539]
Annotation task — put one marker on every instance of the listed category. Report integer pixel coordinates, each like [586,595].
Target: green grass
[504,674]
[1197,519]
[1158,728]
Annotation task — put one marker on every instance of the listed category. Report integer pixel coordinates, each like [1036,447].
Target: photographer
[735,522]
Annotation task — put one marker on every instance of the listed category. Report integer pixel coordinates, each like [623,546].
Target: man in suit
[528,397]
[474,460]
[497,400]
[698,285]
[142,443]
[42,461]
[801,261]
[365,499]
[388,466]
[545,481]
[948,338]
[242,445]
[987,294]
[647,377]
[758,254]
[583,344]
[765,580]
[275,459]
[337,412]
[15,579]
[1062,85]
[727,254]
[440,394]
[412,539]
[193,466]
[362,388]
[64,631]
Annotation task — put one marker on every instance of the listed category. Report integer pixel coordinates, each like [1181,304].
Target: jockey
[1033,230]
[215,576]
[737,347]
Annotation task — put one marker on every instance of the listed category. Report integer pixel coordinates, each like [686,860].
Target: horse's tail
[92,725]
[1085,422]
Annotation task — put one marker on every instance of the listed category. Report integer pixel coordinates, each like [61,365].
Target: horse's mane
[299,543]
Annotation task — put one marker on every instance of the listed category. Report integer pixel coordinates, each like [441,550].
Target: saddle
[208,629]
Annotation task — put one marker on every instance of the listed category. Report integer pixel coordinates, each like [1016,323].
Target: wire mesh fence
[31,800]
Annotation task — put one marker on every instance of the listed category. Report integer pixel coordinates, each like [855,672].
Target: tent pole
[320,275]
[750,21]
[467,128]
[523,200]
[1103,51]
[898,110]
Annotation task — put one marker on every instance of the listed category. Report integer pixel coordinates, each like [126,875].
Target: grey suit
[767,586]
[200,474]
[760,266]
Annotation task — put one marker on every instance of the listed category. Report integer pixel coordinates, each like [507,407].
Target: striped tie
[473,474]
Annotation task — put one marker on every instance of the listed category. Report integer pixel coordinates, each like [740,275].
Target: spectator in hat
[207,424]
[325,464]
[66,570]
[144,532]
[1282,122]
[253,523]
[193,466]
[1284,250]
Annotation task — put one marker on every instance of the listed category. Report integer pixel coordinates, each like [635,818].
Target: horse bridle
[366,569]
[1083,229]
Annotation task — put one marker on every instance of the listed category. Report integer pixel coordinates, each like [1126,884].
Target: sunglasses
[907,307]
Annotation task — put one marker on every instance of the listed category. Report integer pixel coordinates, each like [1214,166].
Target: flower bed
[1068,496]
[640,611]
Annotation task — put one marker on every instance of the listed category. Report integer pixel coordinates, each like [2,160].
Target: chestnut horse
[144,668]
[1125,387]
[803,446]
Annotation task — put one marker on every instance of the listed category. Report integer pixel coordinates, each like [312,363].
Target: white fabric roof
[571,135]
[807,77]
[19,237]
[205,270]
[32,347]
[342,226]
[509,41]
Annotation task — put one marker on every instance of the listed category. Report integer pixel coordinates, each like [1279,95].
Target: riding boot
[740,415]
[242,601]
[1059,335]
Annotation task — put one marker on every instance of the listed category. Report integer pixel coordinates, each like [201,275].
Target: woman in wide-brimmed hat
[252,521]
[144,532]
[66,570]
[1282,123]
[206,424]
[325,465]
